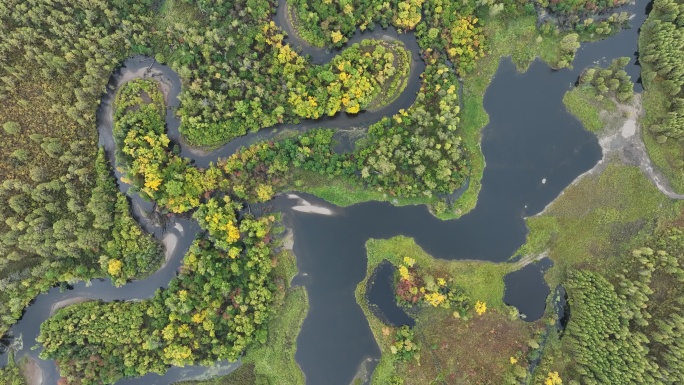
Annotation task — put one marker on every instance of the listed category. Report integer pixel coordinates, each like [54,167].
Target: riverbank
[516,38]
[31,371]
[607,208]
[520,40]
[408,219]
[620,138]
[67,302]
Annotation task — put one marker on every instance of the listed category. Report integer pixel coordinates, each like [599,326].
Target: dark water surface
[526,289]
[533,149]
[381,297]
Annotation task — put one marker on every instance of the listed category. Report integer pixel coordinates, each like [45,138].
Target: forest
[626,328]
[610,82]
[65,220]
[661,44]
[211,311]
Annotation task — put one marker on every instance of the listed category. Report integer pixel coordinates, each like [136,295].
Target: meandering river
[533,150]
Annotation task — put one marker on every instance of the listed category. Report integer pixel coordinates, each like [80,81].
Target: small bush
[11,128]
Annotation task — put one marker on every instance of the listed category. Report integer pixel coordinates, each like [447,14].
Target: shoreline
[170,242]
[67,302]
[625,141]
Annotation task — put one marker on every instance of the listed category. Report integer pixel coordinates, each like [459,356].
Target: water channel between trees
[533,149]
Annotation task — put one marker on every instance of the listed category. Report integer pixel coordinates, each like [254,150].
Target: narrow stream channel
[533,149]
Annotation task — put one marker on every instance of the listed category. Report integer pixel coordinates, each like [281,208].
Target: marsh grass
[596,220]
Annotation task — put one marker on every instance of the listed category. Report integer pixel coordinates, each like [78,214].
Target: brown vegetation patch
[476,351]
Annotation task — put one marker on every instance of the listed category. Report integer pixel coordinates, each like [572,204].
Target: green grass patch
[342,191]
[595,221]
[452,350]
[582,103]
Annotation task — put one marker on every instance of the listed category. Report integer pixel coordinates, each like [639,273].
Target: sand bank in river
[170,242]
[66,302]
[305,207]
[31,372]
